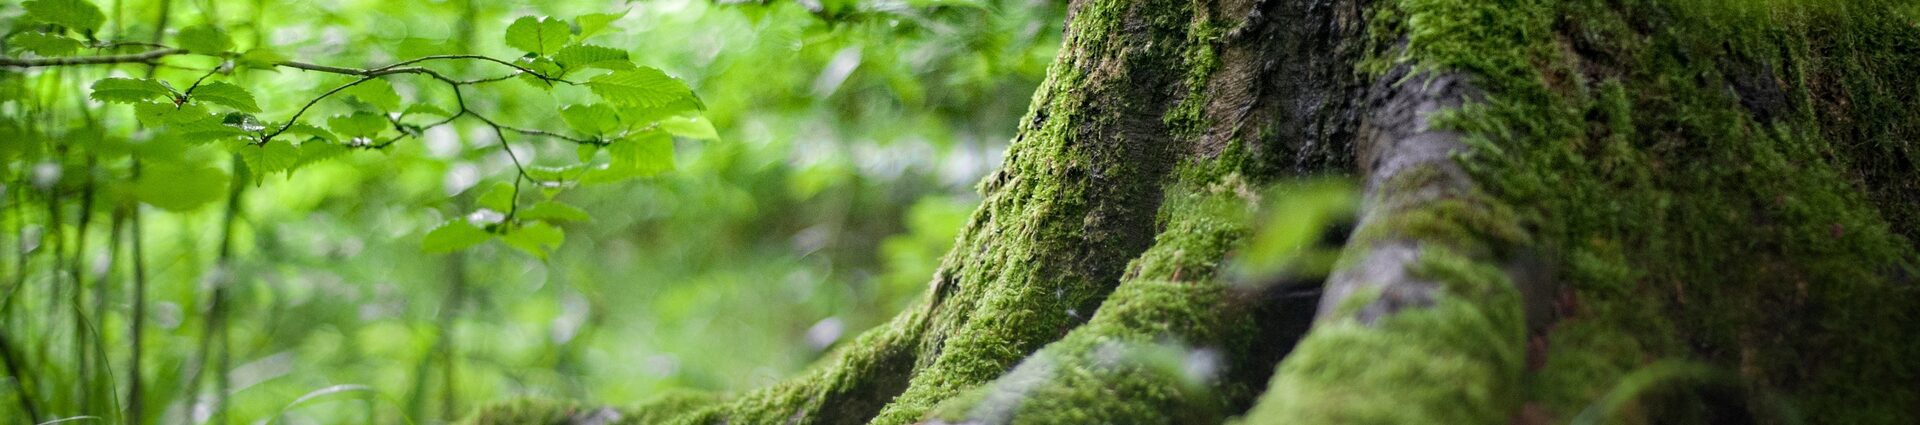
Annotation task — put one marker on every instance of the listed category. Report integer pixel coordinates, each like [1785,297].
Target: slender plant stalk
[215,332]
[136,398]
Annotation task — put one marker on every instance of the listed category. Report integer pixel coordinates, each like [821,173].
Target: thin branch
[142,57]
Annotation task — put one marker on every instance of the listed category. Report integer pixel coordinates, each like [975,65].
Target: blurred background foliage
[850,135]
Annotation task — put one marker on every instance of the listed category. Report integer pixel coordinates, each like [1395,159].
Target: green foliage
[642,86]
[680,206]
[44,44]
[204,39]
[77,15]
[129,90]
[538,36]
[226,94]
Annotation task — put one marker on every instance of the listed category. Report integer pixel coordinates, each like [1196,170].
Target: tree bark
[1564,203]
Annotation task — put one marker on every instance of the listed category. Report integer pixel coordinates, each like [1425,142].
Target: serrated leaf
[696,127]
[209,129]
[312,151]
[554,211]
[453,235]
[358,124]
[273,157]
[229,95]
[537,238]
[312,131]
[595,119]
[179,187]
[204,39]
[498,197]
[643,155]
[128,90]
[581,56]
[593,23]
[44,44]
[542,65]
[540,36]
[159,114]
[376,92]
[78,15]
[426,109]
[641,86]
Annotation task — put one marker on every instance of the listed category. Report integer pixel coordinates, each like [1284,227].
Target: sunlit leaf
[44,44]
[537,238]
[273,157]
[312,130]
[357,124]
[540,36]
[554,211]
[498,197]
[204,39]
[260,58]
[595,119]
[690,127]
[426,109]
[453,235]
[580,56]
[641,86]
[376,92]
[128,90]
[166,113]
[78,15]
[593,23]
[229,95]
[643,155]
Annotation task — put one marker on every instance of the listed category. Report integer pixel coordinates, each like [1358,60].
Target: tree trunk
[1619,210]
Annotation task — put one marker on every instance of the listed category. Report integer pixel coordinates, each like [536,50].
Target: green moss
[1715,180]
[1154,351]
[1457,361]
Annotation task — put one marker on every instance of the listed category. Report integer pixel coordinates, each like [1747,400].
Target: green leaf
[208,129]
[359,124]
[129,90]
[312,131]
[537,238]
[229,95]
[554,211]
[78,15]
[261,58]
[180,187]
[641,86]
[690,127]
[596,119]
[498,197]
[540,36]
[204,39]
[45,44]
[376,92]
[158,114]
[426,109]
[312,151]
[273,157]
[453,235]
[543,66]
[580,56]
[593,23]
[643,155]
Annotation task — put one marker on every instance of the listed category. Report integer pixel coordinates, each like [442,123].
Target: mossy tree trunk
[1680,210]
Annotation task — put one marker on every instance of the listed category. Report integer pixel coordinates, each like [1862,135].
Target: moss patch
[1711,181]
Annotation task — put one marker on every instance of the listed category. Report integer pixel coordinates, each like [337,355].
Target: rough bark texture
[1620,210]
